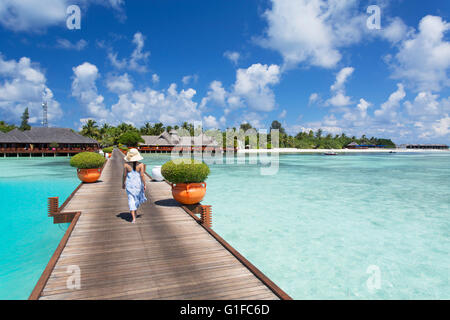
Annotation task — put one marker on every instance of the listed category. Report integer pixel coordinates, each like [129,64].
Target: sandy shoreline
[374,150]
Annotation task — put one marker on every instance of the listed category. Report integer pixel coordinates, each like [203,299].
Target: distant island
[108,135]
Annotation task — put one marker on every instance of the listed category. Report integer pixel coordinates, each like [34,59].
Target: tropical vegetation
[87,160]
[185,171]
[109,135]
[5,127]
[130,139]
[24,124]
[130,136]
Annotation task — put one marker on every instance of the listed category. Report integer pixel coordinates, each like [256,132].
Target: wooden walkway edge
[167,254]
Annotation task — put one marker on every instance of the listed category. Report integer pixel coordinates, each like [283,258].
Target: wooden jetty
[167,254]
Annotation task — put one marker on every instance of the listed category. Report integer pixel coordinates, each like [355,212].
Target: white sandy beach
[373,150]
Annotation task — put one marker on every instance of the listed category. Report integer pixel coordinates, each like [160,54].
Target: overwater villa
[427,146]
[354,145]
[45,141]
[167,141]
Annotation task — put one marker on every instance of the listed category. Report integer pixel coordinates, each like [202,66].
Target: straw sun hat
[133,155]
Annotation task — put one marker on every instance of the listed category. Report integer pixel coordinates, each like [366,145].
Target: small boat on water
[330,153]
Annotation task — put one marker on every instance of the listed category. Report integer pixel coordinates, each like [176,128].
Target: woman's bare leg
[133,214]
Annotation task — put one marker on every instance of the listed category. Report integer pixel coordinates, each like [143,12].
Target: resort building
[167,141]
[42,140]
[352,145]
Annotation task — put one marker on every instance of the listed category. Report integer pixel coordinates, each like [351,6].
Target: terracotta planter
[89,175]
[189,193]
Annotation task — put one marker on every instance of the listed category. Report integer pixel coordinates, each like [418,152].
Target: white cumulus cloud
[84,88]
[168,106]
[253,86]
[23,85]
[252,89]
[119,84]
[388,110]
[210,122]
[37,15]
[312,31]
[339,99]
[423,60]
[442,126]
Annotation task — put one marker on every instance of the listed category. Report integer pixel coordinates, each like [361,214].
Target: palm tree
[104,128]
[90,129]
[125,127]
[319,134]
[158,128]
[147,129]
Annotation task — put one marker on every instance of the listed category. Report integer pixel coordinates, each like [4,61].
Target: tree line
[109,135]
[124,133]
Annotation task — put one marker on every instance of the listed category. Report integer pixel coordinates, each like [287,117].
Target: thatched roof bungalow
[42,139]
[169,140]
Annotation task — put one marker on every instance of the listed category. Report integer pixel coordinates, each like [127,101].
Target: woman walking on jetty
[134,181]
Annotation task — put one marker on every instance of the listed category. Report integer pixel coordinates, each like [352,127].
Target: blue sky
[307,63]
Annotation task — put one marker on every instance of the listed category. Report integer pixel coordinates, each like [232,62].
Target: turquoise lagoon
[28,237]
[315,227]
[322,225]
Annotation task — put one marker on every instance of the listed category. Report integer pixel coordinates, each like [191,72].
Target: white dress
[135,190]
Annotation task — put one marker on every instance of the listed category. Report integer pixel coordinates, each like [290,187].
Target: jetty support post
[55,212]
[206,216]
[53,205]
[205,212]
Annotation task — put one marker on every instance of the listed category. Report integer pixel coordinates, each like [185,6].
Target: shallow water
[28,237]
[331,227]
[314,228]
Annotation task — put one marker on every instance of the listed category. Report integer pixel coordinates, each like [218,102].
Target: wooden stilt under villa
[167,254]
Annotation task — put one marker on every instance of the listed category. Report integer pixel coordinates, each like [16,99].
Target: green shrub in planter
[185,171]
[87,160]
[108,150]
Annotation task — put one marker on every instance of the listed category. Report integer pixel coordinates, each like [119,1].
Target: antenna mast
[44,114]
